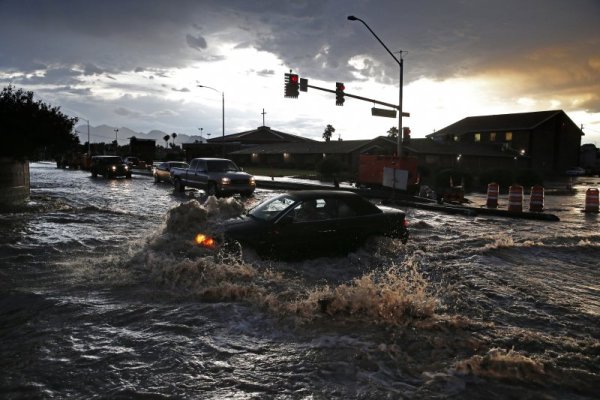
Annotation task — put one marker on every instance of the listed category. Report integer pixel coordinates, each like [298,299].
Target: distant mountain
[106,134]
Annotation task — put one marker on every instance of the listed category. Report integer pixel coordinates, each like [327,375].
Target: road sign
[382,112]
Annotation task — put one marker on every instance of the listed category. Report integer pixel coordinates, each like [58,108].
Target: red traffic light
[339,94]
[291,85]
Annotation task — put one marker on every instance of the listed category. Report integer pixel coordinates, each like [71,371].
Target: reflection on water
[103,292]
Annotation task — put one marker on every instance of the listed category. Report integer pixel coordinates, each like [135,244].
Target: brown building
[144,149]
[547,141]
[225,146]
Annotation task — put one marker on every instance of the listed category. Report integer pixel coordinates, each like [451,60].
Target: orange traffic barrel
[591,200]
[492,195]
[515,198]
[536,199]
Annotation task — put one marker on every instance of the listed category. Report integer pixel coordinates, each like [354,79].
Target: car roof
[212,159]
[315,194]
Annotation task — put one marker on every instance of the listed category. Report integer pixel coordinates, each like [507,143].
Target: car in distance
[131,161]
[307,223]
[216,176]
[109,167]
[162,171]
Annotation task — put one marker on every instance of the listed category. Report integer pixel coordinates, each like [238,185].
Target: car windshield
[221,166]
[178,165]
[110,160]
[270,209]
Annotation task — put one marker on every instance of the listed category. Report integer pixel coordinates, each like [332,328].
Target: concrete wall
[14,182]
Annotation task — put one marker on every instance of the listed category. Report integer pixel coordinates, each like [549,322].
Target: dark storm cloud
[53,76]
[441,38]
[91,69]
[198,43]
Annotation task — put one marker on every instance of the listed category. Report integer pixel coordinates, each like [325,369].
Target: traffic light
[406,134]
[303,84]
[339,94]
[291,85]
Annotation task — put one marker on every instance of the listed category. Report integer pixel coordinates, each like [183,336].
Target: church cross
[263,114]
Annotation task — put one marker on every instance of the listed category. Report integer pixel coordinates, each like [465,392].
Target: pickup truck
[216,176]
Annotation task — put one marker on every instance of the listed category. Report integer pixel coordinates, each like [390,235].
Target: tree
[28,126]
[173,135]
[328,133]
[393,132]
[166,139]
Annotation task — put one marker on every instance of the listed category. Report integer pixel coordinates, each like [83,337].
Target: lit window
[477,137]
[508,136]
[492,136]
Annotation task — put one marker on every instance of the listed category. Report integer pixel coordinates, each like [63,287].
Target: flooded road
[104,295]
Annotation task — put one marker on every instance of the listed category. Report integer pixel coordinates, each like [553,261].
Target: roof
[501,122]
[262,134]
[315,194]
[313,147]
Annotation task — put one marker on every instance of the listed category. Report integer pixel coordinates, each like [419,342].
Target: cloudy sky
[138,63]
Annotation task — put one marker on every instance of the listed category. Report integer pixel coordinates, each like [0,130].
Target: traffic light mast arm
[361,98]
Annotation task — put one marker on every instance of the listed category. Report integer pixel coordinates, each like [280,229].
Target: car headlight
[252,181]
[126,168]
[205,241]
[114,168]
[225,181]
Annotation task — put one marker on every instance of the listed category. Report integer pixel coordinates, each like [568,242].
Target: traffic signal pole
[401,65]
[397,107]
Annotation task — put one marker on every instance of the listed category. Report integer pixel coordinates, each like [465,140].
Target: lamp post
[401,64]
[88,130]
[223,111]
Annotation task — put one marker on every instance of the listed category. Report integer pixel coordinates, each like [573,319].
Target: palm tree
[393,132]
[166,139]
[328,132]
[173,135]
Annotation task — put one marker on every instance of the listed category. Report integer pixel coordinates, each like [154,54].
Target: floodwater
[103,294]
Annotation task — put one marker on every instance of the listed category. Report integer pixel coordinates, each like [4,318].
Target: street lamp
[88,130]
[401,64]
[223,110]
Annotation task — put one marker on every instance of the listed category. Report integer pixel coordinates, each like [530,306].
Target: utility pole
[401,64]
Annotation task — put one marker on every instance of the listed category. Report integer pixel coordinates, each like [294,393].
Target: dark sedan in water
[307,223]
